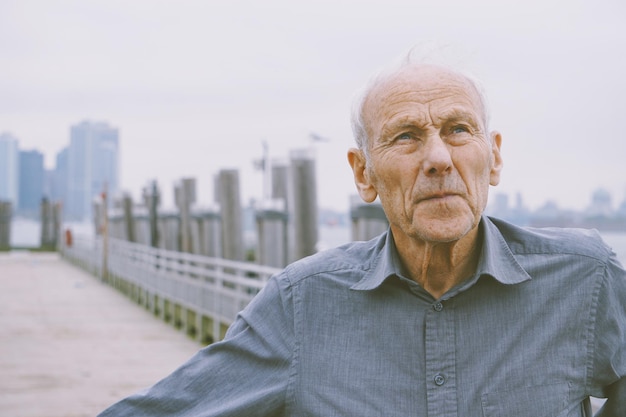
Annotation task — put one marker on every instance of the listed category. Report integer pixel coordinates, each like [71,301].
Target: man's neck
[438,267]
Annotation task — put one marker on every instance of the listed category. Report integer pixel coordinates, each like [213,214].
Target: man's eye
[459,129]
[404,136]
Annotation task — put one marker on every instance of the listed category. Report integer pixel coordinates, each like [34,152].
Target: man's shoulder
[349,261]
[552,240]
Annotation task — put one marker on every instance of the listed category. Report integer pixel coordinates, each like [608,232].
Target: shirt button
[438,306]
[439,380]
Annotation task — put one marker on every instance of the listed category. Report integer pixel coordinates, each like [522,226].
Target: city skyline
[51,189]
[84,168]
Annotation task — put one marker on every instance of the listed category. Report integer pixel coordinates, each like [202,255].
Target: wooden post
[50,223]
[185,196]
[155,199]
[227,196]
[169,225]
[280,180]
[116,227]
[57,212]
[271,220]
[5,225]
[368,219]
[45,213]
[129,220]
[142,225]
[303,205]
[152,199]
[206,233]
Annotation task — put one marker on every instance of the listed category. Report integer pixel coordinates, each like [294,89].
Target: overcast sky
[196,86]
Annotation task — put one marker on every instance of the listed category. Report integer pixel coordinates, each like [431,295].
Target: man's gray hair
[359,125]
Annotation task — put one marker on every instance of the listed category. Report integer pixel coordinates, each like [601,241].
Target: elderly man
[449,313]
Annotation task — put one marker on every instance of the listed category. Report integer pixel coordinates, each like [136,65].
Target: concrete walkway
[70,345]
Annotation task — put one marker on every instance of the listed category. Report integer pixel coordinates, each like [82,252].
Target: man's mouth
[438,196]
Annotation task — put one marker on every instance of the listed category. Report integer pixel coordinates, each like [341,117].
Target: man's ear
[362,179]
[496,161]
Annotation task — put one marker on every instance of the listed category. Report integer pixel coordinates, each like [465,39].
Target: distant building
[500,208]
[598,215]
[601,204]
[9,168]
[92,164]
[31,183]
[57,182]
[550,214]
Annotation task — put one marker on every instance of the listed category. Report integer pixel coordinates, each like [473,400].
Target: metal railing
[200,294]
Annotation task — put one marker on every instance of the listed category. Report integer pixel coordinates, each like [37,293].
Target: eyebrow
[457,114]
[406,122]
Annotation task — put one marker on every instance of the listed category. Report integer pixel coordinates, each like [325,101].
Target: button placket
[440,358]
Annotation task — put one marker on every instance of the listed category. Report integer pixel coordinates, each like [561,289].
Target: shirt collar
[496,260]
[385,265]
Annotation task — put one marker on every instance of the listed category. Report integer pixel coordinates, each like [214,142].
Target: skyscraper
[92,164]
[9,168]
[31,181]
[58,181]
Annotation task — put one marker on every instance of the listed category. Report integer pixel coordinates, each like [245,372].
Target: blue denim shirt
[538,328]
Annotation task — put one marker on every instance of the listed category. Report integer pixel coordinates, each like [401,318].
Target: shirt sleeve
[245,374]
[609,369]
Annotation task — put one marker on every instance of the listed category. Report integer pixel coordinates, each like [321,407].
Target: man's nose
[437,158]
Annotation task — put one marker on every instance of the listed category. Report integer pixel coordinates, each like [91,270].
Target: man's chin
[440,230]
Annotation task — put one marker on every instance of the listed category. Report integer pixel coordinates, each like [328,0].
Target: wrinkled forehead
[423,84]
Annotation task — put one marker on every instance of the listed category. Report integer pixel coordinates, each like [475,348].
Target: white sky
[195,86]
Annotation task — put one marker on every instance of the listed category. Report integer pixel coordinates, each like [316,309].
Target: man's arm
[245,374]
[610,344]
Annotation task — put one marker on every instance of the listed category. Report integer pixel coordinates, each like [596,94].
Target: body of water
[26,233]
